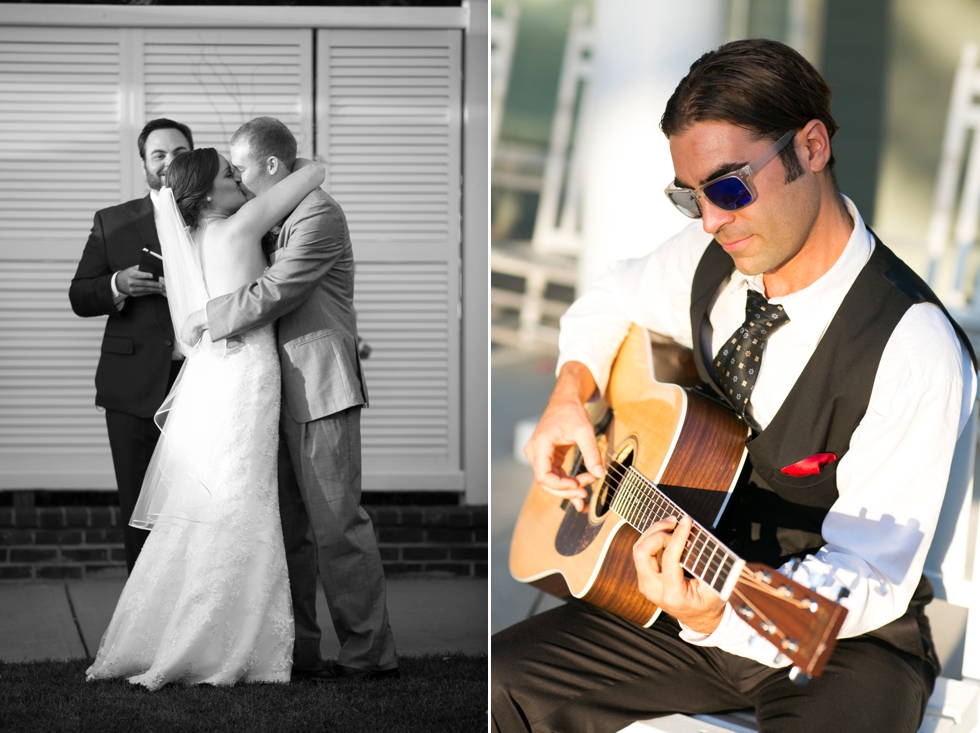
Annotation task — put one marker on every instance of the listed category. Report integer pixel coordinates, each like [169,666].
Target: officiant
[139,360]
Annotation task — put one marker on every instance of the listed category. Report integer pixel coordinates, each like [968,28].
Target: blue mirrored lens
[728,194]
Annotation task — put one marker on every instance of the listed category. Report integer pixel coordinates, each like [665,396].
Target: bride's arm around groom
[309,290]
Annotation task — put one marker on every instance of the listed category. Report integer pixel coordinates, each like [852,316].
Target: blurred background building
[579,165]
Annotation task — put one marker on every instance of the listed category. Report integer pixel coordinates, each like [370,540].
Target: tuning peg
[816,580]
[798,676]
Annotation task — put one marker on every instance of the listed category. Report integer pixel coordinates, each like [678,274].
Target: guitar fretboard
[641,503]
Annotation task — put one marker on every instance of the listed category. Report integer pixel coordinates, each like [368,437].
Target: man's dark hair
[758,84]
[191,178]
[162,124]
[265,137]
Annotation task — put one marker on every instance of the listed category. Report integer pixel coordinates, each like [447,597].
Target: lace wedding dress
[208,599]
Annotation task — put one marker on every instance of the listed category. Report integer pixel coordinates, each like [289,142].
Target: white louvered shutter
[389,126]
[61,159]
[213,80]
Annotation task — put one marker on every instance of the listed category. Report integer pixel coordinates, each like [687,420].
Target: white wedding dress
[208,600]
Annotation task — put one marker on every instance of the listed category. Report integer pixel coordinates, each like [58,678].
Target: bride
[208,601]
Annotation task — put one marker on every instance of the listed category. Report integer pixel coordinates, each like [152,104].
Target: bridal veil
[176,483]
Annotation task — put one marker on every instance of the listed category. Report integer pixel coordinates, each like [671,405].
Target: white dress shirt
[893,478]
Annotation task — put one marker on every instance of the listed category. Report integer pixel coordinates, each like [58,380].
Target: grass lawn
[435,694]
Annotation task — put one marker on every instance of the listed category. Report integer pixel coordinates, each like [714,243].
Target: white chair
[503,39]
[953,567]
[557,225]
[549,259]
[538,314]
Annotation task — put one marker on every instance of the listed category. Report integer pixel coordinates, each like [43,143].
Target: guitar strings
[621,472]
[755,609]
[763,617]
[748,575]
[643,488]
[750,580]
[658,502]
[697,533]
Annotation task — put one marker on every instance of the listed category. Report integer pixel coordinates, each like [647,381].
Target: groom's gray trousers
[309,292]
[326,529]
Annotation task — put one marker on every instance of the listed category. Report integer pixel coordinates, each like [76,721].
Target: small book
[151,262]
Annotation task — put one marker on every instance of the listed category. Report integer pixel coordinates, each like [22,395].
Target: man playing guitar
[855,384]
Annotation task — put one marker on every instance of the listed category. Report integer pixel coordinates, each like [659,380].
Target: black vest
[772,516]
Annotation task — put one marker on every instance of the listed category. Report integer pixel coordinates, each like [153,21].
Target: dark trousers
[328,533]
[132,440]
[579,669]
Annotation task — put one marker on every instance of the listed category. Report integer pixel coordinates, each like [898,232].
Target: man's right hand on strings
[564,425]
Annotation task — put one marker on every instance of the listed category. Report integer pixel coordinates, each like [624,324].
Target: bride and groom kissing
[247,503]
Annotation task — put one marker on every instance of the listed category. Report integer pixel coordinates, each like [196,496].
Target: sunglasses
[732,191]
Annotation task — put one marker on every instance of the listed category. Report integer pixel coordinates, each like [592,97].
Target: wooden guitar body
[690,447]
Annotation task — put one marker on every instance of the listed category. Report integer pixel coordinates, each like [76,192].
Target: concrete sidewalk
[66,620]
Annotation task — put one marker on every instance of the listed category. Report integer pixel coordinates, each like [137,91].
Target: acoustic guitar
[669,451]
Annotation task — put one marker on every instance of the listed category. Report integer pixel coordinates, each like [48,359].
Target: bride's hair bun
[191,177]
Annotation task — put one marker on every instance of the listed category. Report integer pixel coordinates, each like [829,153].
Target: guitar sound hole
[615,472]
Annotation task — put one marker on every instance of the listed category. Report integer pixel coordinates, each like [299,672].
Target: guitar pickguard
[576,531]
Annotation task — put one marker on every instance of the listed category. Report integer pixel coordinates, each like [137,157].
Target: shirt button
[168,342]
[735,545]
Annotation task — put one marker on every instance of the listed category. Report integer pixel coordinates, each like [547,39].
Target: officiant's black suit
[136,366]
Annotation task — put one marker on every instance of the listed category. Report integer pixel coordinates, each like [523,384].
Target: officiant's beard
[154,181]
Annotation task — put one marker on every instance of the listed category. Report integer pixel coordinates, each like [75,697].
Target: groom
[309,291]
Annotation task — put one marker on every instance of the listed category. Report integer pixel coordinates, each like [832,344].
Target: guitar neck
[641,504]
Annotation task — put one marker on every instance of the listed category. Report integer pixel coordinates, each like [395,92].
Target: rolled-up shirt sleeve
[653,291]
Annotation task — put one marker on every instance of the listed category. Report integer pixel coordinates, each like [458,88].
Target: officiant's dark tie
[736,364]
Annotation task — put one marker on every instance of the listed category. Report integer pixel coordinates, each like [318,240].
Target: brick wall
[46,543]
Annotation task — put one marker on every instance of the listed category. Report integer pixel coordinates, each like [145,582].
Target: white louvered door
[61,159]
[389,126]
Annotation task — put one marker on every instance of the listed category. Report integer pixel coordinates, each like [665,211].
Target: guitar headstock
[798,621]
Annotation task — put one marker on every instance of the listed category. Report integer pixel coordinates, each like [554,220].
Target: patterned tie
[270,240]
[736,365]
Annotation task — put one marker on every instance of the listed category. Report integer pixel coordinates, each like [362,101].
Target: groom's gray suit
[309,290]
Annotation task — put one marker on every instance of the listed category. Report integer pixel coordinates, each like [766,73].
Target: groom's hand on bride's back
[135,283]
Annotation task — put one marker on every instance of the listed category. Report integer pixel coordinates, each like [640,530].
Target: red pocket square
[809,466]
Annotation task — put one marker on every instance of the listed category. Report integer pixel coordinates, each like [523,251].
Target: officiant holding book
[139,360]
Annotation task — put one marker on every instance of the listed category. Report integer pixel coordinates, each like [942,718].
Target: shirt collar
[811,308]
